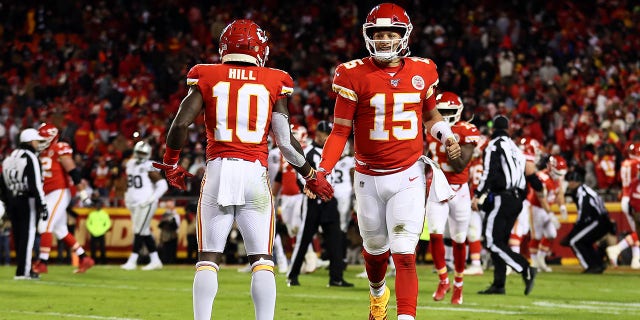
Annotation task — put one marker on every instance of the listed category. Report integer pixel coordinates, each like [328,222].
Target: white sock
[542,255]
[623,244]
[515,249]
[133,258]
[405,317]
[635,252]
[263,290]
[205,288]
[378,292]
[476,263]
[154,257]
[534,257]
[278,250]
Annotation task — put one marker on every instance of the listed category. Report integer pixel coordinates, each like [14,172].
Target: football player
[242,101]
[145,186]
[59,172]
[388,101]
[456,211]
[629,170]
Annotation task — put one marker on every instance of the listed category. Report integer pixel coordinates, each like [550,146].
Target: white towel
[440,189]
[231,187]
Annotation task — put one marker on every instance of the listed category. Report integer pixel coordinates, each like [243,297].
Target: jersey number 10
[243,118]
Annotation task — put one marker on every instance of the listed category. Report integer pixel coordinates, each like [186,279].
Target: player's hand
[175,174]
[43,211]
[453,148]
[474,204]
[318,185]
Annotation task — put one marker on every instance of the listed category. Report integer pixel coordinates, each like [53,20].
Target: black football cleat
[341,283]
[529,276]
[492,290]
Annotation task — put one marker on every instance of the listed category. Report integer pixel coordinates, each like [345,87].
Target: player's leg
[520,228]
[256,222]
[405,219]
[146,214]
[375,242]
[474,236]
[459,216]
[213,224]
[437,214]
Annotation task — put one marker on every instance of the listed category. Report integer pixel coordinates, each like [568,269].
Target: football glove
[43,211]
[318,185]
[175,174]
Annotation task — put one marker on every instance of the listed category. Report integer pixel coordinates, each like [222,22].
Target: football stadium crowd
[109,74]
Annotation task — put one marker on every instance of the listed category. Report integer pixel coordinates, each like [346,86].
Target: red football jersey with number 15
[238,104]
[387,111]
[465,133]
[55,176]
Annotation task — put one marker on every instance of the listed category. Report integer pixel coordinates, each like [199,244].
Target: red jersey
[238,103]
[386,111]
[289,180]
[465,133]
[475,174]
[628,171]
[549,185]
[55,176]
[634,197]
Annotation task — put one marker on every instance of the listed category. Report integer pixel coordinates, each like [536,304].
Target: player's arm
[160,185]
[435,125]
[76,176]
[532,178]
[292,152]
[542,197]
[342,127]
[460,163]
[190,108]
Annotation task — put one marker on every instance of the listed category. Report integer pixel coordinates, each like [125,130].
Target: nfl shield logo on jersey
[395,82]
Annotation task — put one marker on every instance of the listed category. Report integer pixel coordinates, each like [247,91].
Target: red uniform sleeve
[347,98]
[286,88]
[193,76]
[64,149]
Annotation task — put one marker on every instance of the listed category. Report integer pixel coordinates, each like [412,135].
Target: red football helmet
[450,106]
[531,148]
[50,133]
[300,133]
[244,41]
[634,151]
[557,166]
[387,16]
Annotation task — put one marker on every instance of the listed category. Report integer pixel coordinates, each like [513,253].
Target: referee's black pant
[23,224]
[324,214]
[582,238]
[500,218]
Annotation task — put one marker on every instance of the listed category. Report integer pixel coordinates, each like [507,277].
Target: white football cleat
[542,264]
[153,265]
[128,266]
[473,271]
[245,269]
[362,275]
[635,263]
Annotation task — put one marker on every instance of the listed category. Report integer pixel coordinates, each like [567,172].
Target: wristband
[310,175]
[441,131]
[171,156]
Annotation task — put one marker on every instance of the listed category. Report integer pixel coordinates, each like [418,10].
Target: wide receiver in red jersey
[242,100]
[388,100]
[456,211]
[629,170]
[59,172]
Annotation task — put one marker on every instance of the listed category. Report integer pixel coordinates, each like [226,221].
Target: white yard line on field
[592,306]
[108,286]
[69,315]
[463,309]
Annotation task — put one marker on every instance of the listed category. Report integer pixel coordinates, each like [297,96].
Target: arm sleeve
[282,134]
[161,188]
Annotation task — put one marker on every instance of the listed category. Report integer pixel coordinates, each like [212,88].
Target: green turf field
[106,292]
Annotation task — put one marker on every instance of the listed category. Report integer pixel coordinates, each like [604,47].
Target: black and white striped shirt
[313,156]
[590,205]
[504,166]
[22,175]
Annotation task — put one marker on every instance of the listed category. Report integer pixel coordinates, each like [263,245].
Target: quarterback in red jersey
[60,173]
[388,101]
[629,170]
[456,211]
[242,101]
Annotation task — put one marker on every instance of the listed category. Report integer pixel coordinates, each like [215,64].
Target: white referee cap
[28,135]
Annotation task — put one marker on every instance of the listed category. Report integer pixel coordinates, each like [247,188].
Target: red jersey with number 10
[628,171]
[386,110]
[465,133]
[238,104]
[55,176]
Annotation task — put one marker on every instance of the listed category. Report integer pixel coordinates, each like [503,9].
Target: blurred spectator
[98,223]
[5,233]
[191,210]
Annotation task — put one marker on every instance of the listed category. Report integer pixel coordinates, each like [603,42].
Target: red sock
[70,241]
[545,243]
[459,258]
[533,245]
[634,237]
[46,239]
[376,266]
[437,253]
[475,247]
[406,283]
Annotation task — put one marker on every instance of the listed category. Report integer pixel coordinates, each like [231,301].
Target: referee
[500,193]
[320,214]
[592,224]
[24,195]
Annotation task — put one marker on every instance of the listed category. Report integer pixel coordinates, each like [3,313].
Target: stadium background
[109,73]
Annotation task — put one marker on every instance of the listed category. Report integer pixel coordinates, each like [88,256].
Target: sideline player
[242,100]
[57,164]
[388,101]
[145,186]
[456,211]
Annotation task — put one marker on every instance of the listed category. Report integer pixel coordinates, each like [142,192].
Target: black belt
[512,192]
